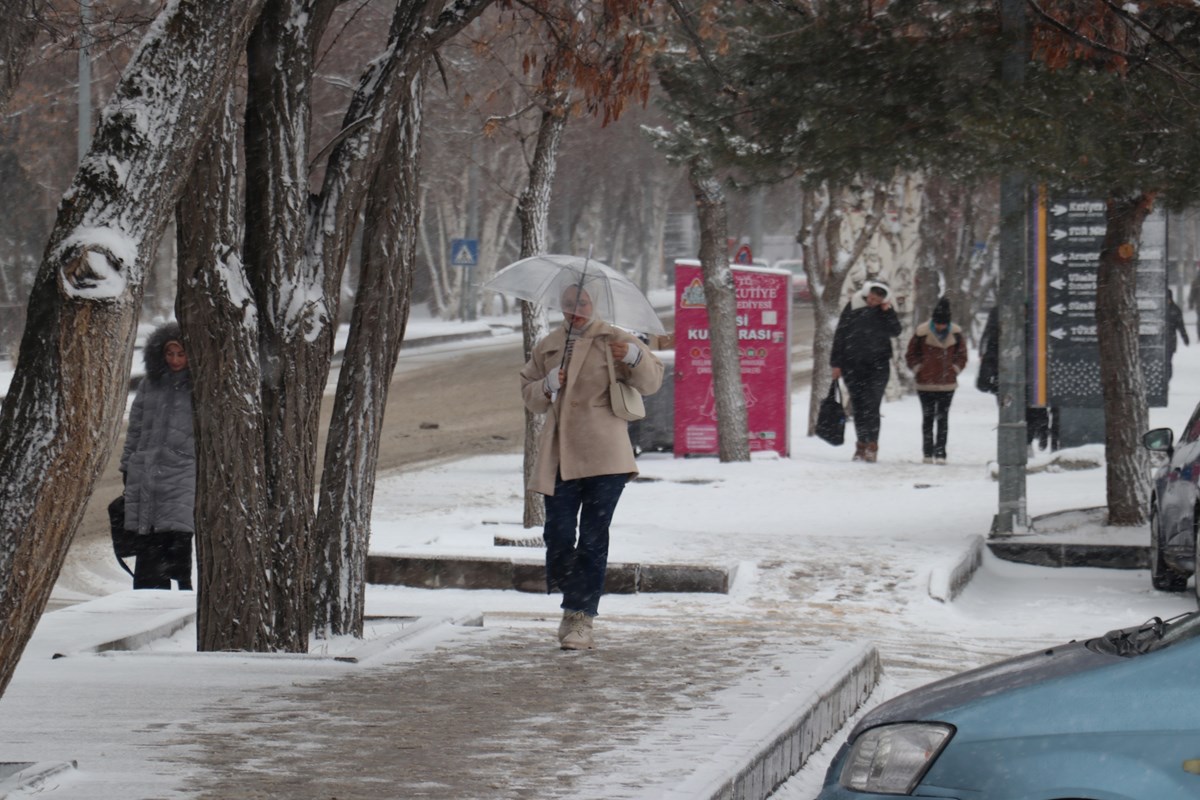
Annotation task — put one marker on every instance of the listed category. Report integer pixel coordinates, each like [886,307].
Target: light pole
[1011,455]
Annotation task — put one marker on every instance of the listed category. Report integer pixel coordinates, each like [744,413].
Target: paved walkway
[452,707]
[450,703]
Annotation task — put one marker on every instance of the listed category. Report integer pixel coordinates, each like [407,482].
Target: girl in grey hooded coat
[159,465]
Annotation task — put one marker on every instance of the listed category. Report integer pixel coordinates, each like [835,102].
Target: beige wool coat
[581,436]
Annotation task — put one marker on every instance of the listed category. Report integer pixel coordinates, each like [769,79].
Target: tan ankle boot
[579,632]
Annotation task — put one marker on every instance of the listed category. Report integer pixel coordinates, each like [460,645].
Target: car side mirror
[1159,440]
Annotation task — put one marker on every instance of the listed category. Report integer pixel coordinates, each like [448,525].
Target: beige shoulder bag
[626,401]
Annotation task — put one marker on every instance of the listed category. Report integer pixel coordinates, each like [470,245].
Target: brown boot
[860,451]
[871,453]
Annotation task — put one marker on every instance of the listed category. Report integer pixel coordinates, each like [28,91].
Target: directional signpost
[1064,368]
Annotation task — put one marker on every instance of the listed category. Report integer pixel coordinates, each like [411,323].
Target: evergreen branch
[1166,43]
[697,40]
[1142,60]
[1074,34]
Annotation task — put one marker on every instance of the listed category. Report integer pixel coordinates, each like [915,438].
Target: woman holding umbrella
[584,456]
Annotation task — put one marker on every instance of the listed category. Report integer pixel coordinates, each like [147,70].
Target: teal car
[1111,718]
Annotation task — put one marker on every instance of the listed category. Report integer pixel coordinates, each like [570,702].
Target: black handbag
[831,418]
[124,542]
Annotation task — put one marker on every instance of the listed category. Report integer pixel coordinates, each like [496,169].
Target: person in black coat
[1175,328]
[862,356]
[1041,422]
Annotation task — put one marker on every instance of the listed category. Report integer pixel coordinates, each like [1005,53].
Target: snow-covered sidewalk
[829,554]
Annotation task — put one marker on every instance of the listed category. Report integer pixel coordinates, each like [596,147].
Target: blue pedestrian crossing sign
[464,252]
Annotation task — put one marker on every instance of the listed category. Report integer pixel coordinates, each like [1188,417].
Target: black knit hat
[941,312]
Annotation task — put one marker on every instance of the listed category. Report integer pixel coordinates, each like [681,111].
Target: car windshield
[1152,635]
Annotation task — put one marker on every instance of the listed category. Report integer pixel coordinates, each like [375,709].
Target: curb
[420,626]
[26,776]
[169,623]
[1051,554]
[947,580]
[164,625]
[780,743]
[450,572]
[1039,548]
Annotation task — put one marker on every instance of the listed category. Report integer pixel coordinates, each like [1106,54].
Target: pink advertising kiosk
[764,326]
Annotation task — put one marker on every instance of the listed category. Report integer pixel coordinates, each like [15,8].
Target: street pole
[84,135]
[474,189]
[1011,452]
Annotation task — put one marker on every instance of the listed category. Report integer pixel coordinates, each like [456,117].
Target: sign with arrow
[1064,367]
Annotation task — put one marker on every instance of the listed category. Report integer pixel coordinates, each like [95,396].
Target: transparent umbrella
[542,279]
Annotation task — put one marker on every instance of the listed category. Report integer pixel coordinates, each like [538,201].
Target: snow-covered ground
[813,531]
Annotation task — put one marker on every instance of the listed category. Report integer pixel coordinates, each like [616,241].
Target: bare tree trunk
[18,31]
[67,398]
[720,300]
[533,210]
[219,321]
[297,266]
[343,531]
[827,266]
[1125,416]
[294,362]
[418,28]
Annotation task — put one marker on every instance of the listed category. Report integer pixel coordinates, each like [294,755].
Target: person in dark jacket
[1193,300]
[936,354]
[988,377]
[1041,422]
[862,356]
[159,465]
[1175,328]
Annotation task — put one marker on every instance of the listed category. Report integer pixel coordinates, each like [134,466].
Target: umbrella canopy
[542,279]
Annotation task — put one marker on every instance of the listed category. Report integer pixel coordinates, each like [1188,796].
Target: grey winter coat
[159,462]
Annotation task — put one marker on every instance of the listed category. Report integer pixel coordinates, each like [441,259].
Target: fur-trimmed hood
[153,356]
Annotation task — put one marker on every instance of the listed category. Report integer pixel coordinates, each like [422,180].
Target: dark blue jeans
[574,566]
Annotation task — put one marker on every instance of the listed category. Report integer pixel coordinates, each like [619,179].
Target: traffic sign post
[464,253]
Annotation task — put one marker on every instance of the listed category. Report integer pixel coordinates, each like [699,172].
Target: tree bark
[67,398]
[720,300]
[281,58]
[303,327]
[18,32]
[381,309]
[827,265]
[1117,322]
[296,266]
[220,326]
[533,210]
